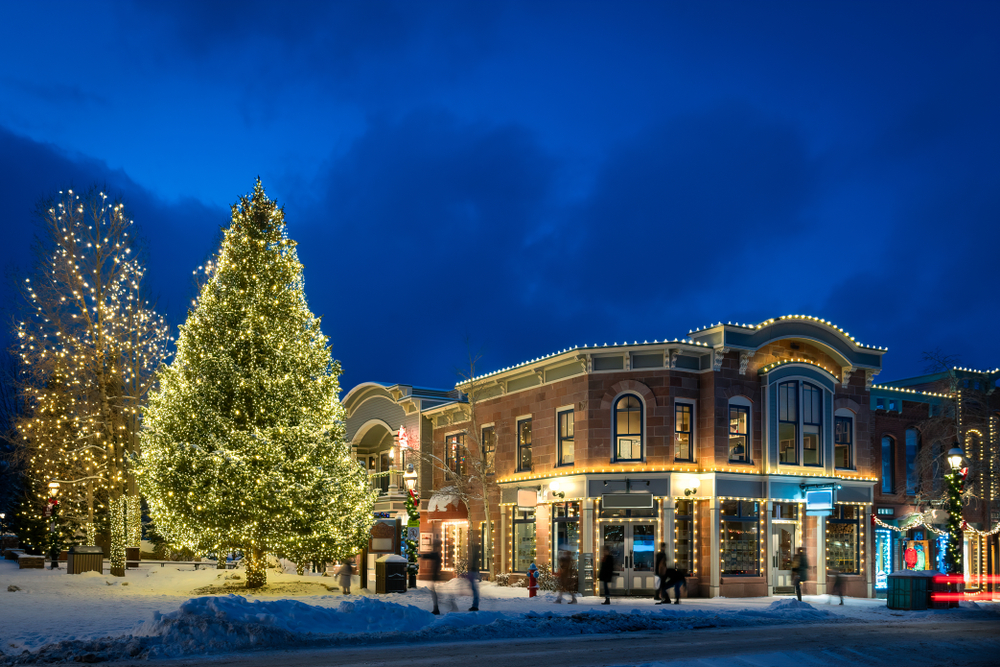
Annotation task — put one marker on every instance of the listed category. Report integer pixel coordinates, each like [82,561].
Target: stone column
[667,512]
[587,527]
[715,564]
[821,555]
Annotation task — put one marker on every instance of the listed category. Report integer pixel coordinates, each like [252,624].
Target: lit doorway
[783,551]
[633,548]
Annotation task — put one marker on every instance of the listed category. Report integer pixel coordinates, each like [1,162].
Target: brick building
[710,444]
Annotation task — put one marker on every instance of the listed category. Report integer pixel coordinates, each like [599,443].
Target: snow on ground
[171,611]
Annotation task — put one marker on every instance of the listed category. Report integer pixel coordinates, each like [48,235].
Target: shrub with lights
[243,445]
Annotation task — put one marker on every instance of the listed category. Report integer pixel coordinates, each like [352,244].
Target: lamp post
[955,479]
[413,521]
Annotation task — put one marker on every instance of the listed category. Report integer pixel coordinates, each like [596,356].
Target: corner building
[709,443]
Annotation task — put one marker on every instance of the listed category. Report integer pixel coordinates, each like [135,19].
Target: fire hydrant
[532,581]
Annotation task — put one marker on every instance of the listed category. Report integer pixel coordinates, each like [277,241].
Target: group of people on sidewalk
[666,577]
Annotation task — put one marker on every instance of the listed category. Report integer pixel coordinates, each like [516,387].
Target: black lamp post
[953,555]
[413,513]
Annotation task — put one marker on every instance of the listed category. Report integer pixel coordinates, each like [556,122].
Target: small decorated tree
[243,445]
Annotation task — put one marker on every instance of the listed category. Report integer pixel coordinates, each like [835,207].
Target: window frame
[561,438]
[741,405]
[911,460]
[522,518]
[743,519]
[887,457]
[818,425]
[451,458]
[690,405]
[642,428]
[489,447]
[849,418]
[690,518]
[837,518]
[521,446]
[793,422]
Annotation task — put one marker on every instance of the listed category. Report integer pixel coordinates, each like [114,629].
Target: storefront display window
[566,528]
[684,535]
[454,550]
[883,558]
[524,541]
[843,531]
[740,538]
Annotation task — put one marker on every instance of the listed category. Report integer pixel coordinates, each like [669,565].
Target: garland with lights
[243,442]
[413,514]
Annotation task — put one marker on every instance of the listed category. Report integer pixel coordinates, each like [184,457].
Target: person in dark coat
[800,569]
[566,578]
[473,574]
[660,567]
[434,558]
[606,573]
[674,578]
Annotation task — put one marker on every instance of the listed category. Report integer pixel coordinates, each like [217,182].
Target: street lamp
[410,478]
[953,553]
[412,523]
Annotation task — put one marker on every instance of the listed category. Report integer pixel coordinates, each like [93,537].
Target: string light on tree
[244,444]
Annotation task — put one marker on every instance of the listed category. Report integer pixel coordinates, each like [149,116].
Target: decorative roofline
[784,362]
[904,390]
[973,370]
[588,349]
[805,318]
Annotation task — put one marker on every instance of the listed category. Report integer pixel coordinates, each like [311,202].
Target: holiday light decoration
[243,443]
[88,342]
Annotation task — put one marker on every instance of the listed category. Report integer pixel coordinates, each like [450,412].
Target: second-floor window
[566,437]
[489,442]
[739,437]
[628,428]
[912,445]
[843,442]
[455,452]
[788,422]
[888,445]
[683,432]
[524,444]
[812,424]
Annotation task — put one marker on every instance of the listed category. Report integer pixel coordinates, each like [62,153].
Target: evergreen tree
[243,442]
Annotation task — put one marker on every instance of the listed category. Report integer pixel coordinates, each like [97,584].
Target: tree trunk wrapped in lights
[953,552]
[88,344]
[243,445]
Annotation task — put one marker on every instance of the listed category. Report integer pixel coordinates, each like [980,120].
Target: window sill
[564,465]
[741,463]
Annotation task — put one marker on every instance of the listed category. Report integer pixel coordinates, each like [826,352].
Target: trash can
[910,589]
[85,559]
[390,574]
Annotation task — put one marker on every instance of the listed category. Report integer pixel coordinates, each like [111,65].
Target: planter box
[26,562]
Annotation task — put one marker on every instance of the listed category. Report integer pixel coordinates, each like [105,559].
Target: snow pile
[362,615]
[797,609]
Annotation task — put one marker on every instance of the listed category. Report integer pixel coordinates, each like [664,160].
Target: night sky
[534,176]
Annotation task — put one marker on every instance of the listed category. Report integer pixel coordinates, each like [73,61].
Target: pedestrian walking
[675,577]
[606,573]
[838,584]
[473,574]
[800,568]
[434,558]
[660,568]
[566,583]
[344,573]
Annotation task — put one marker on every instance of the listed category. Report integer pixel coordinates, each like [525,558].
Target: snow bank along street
[159,612]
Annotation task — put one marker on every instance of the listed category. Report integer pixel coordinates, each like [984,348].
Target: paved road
[953,643]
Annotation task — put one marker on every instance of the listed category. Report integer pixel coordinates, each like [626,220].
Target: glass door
[783,551]
[633,548]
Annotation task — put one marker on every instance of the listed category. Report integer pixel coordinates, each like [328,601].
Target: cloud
[179,234]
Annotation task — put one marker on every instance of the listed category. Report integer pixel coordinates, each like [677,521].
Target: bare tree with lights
[468,464]
[88,343]
[243,441]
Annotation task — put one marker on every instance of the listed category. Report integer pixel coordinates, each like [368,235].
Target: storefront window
[524,541]
[454,550]
[684,535]
[843,532]
[485,553]
[883,558]
[566,528]
[740,538]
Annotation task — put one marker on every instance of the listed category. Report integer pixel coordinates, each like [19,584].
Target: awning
[446,505]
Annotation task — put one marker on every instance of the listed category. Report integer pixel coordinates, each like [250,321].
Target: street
[958,644]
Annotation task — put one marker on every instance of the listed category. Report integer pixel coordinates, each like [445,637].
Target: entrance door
[633,547]
[783,551]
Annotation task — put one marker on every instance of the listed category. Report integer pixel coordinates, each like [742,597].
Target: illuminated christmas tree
[88,344]
[243,445]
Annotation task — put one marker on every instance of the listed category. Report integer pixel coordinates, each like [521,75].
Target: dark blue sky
[539,175]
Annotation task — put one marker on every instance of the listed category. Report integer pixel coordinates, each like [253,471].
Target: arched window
[912,445]
[628,428]
[888,445]
[812,425]
[788,422]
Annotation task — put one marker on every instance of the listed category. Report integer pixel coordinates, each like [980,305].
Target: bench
[27,561]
